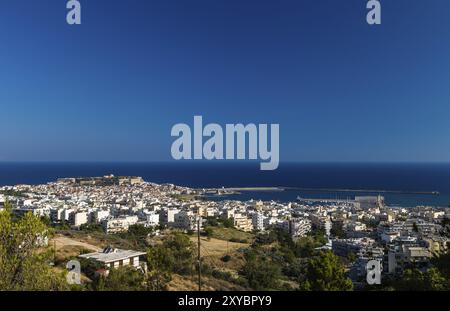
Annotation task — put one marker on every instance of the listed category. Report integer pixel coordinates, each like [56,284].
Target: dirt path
[61,241]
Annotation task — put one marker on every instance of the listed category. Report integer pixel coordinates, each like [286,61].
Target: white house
[113,258]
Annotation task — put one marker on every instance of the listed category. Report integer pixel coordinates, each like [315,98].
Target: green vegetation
[290,264]
[63,225]
[325,272]
[122,279]
[232,235]
[337,230]
[184,197]
[220,222]
[436,278]
[174,255]
[211,222]
[12,193]
[445,227]
[208,232]
[228,223]
[137,236]
[261,272]
[24,263]
[351,256]
[416,280]
[91,228]
[273,261]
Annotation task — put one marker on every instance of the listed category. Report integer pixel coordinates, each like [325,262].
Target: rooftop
[111,255]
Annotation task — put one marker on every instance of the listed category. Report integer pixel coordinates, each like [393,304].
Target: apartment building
[243,223]
[121,224]
[186,220]
[403,256]
[152,219]
[258,221]
[297,227]
[167,216]
[78,219]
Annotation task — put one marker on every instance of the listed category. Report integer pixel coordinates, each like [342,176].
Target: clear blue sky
[112,88]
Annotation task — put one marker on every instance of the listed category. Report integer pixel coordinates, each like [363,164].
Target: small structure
[113,258]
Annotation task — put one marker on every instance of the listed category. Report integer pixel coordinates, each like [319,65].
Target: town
[359,230]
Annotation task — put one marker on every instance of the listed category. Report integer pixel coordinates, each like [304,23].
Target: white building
[167,216]
[152,220]
[297,227]
[99,216]
[116,225]
[56,214]
[79,219]
[186,220]
[66,214]
[258,221]
[114,258]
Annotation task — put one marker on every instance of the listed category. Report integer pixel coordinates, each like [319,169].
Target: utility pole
[198,255]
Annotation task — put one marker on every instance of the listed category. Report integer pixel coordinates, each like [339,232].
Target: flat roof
[116,255]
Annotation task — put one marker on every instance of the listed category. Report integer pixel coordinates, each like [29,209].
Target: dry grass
[218,248]
[231,233]
[213,250]
[97,239]
[187,283]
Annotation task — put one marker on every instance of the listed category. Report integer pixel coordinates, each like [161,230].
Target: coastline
[273,189]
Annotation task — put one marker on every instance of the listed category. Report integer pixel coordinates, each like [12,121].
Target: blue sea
[367,178]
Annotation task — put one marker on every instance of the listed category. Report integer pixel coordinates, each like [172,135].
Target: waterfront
[407,179]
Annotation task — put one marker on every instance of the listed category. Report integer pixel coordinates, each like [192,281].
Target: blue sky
[112,88]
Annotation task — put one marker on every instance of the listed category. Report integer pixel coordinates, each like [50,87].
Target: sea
[402,184]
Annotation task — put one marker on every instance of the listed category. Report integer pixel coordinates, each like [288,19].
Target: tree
[305,247]
[416,280]
[137,234]
[122,279]
[260,271]
[415,227]
[212,221]
[351,256]
[24,261]
[208,232]
[337,230]
[319,236]
[228,223]
[445,231]
[325,273]
[157,280]
[442,263]
[175,254]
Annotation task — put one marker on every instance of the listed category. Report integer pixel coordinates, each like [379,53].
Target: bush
[228,223]
[212,221]
[261,272]
[223,275]
[175,254]
[226,258]
[208,232]
[122,279]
